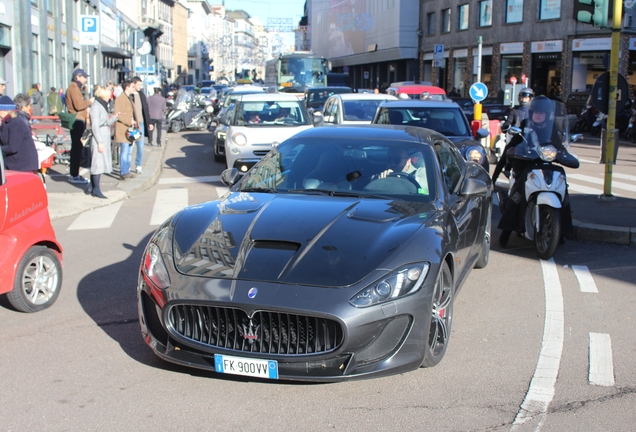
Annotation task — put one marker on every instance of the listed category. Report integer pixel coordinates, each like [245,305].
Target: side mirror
[514,130]
[481,133]
[230,177]
[317,118]
[473,187]
[576,137]
[223,120]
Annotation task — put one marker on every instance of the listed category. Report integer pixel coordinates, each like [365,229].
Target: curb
[625,236]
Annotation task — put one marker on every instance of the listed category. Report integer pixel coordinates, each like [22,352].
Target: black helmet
[542,104]
[525,92]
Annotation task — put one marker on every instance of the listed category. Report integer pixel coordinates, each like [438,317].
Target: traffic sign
[145,64]
[513,80]
[438,53]
[136,39]
[438,63]
[600,93]
[478,91]
[89,30]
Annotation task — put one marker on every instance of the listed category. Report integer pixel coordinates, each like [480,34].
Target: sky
[264,9]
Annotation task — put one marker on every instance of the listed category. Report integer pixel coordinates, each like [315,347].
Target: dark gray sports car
[337,256]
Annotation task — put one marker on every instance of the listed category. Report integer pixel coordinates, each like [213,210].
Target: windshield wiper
[255,189]
[356,194]
[310,191]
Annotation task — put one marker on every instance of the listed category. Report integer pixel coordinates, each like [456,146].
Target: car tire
[38,280]
[441,318]
[484,253]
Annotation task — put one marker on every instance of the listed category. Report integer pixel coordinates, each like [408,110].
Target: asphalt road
[82,364]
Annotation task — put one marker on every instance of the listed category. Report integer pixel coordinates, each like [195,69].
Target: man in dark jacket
[18,147]
[143,119]
[156,107]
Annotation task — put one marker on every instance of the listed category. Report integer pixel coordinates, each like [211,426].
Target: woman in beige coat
[101,158]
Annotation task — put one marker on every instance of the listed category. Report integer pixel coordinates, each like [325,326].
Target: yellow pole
[477,112]
[613,85]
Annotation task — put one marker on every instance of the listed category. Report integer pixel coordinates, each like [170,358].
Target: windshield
[346,167]
[302,72]
[449,121]
[360,110]
[267,113]
[184,95]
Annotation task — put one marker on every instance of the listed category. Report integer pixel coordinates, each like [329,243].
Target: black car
[495,109]
[445,117]
[318,264]
[467,105]
[315,97]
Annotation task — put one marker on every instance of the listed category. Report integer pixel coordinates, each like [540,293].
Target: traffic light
[594,12]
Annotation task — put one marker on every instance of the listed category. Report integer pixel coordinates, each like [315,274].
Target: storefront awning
[116,52]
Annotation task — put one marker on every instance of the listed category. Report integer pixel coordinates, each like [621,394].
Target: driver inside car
[399,161]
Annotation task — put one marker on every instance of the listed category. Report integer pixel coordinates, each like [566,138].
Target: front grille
[260,153]
[266,332]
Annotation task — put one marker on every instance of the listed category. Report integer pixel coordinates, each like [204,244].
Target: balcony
[149,22]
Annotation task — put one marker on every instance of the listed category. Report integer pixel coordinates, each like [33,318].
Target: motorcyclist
[537,129]
[520,112]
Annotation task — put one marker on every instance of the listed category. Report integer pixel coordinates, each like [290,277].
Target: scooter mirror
[514,130]
[576,137]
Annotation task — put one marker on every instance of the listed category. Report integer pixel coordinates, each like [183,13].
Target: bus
[293,73]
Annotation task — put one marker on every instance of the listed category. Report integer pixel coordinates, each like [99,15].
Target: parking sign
[89,30]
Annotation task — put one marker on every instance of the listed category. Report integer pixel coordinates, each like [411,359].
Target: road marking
[168,202]
[185,180]
[588,161]
[624,176]
[541,390]
[98,218]
[601,364]
[221,190]
[586,281]
[600,181]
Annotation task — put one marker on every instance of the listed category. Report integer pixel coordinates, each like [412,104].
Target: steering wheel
[405,176]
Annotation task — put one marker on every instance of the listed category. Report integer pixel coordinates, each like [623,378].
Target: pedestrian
[37,99]
[18,147]
[3,86]
[54,101]
[63,96]
[156,107]
[101,157]
[126,119]
[6,106]
[143,119]
[76,104]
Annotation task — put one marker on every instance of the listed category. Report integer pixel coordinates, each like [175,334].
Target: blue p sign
[89,24]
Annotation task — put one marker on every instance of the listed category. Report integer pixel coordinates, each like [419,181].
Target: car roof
[322,88]
[418,103]
[256,97]
[247,88]
[364,96]
[418,88]
[372,132]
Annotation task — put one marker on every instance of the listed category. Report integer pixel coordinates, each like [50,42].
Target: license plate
[246,366]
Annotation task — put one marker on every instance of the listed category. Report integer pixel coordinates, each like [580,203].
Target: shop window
[550,9]
[485,13]
[463,14]
[446,23]
[430,24]
[514,11]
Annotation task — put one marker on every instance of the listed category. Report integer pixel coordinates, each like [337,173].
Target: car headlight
[401,282]
[548,152]
[154,268]
[239,139]
[475,154]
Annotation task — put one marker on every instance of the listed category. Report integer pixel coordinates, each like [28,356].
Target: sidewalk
[595,219]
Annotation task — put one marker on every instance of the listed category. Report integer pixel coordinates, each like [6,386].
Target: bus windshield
[302,72]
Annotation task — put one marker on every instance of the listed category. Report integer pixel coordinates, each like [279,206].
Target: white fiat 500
[257,122]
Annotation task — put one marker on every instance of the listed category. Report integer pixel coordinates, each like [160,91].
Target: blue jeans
[124,158]
[140,146]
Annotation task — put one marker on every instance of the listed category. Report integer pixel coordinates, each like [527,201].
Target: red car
[30,256]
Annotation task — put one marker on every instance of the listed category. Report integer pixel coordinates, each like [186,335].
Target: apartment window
[462,24]
[514,11]
[36,57]
[446,23]
[550,9]
[485,13]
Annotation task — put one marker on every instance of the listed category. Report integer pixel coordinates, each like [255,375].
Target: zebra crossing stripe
[601,370]
[600,181]
[186,180]
[99,218]
[586,281]
[167,203]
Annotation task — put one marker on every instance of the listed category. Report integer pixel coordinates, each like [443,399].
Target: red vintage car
[30,255]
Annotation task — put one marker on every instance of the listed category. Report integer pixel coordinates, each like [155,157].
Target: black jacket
[144,111]
[18,147]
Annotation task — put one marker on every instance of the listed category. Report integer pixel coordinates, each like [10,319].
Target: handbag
[67,119]
[86,138]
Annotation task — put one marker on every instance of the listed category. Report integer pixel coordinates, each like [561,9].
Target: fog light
[243,168]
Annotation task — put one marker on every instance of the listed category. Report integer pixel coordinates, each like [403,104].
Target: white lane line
[601,364]
[186,180]
[584,189]
[99,218]
[541,390]
[601,181]
[221,190]
[624,176]
[588,161]
[168,202]
[586,281]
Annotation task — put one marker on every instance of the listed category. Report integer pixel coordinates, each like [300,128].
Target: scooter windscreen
[546,134]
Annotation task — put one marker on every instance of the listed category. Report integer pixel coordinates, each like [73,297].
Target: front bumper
[380,340]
